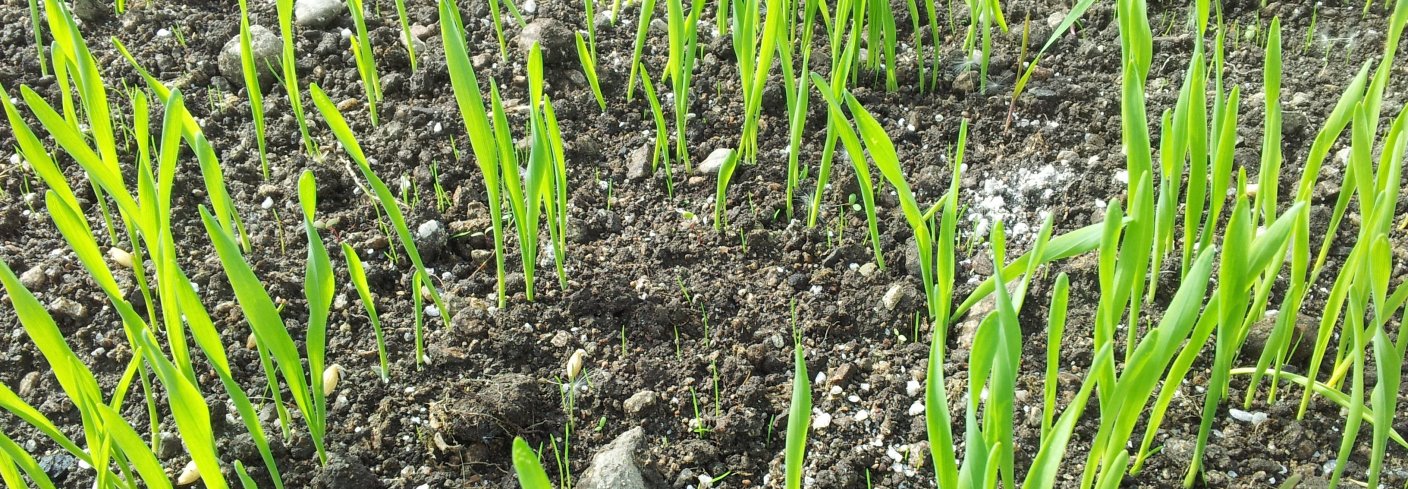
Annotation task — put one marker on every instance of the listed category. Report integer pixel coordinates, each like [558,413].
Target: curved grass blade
[385,198]
[530,470]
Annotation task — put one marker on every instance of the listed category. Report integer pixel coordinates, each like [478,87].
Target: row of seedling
[1246,250]
[141,242]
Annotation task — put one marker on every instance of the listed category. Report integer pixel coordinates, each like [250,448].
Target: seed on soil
[331,375]
[1256,418]
[120,257]
[189,475]
[575,362]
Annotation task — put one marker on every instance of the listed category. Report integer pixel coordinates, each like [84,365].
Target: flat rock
[715,161]
[615,466]
[638,163]
[317,13]
[66,308]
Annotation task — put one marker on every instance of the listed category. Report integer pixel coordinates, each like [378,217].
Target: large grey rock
[264,46]
[614,466]
[317,13]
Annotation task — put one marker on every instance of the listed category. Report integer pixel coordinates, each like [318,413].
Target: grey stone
[264,47]
[169,446]
[34,279]
[898,294]
[868,269]
[553,36]
[90,9]
[28,384]
[715,161]
[431,237]
[317,13]
[68,309]
[640,402]
[615,466]
[638,163]
[966,82]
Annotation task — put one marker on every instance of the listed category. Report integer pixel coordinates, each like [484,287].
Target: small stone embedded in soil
[638,163]
[867,269]
[264,47]
[169,446]
[58,466]
[821,421]
[841,374]
[561,339]
[714,161]
[968,328]
[91,9]
[317,13]
[966,82]
[552,36]
[34,278]
[899,293]
[431,237]
[639,402]
[68,309]
[28,384]
[615,465]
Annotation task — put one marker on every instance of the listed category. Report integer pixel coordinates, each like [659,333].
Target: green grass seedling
[357,273]
[476,121]
[366,64]
[318,289]
[661,153]
[38,36]
[799,412]
[587,56]
[406,37]
[385,199]
[289,63]
[857,157]
[647,9]
[529,469]
[1055,330]
[264,319]
[252,87]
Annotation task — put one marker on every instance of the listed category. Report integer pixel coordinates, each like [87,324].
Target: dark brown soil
[659,301]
